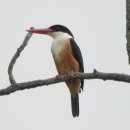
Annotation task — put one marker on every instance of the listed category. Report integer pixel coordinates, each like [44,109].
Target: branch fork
[94,75]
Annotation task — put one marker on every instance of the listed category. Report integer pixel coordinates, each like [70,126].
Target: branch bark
[128,28]
[62,78]
[15,57]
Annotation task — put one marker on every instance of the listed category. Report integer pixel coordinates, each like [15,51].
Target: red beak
[40,31]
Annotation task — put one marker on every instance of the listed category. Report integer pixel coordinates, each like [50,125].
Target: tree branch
[37,83]
[128,28]
[62,78]
[15,57]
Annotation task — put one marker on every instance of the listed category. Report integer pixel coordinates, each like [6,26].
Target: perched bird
[68,59]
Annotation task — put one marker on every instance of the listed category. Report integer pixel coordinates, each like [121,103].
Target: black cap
[61,28]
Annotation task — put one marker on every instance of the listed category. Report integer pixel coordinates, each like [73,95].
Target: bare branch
[15,57]
[128,28]
[62,78]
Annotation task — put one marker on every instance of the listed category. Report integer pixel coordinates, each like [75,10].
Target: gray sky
[99,30]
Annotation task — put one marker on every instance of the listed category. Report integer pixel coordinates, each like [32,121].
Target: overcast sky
[99,29]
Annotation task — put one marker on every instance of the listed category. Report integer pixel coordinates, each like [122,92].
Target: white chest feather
[58,46]
[59,42]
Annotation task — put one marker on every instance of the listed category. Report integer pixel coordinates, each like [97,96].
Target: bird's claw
[57,77]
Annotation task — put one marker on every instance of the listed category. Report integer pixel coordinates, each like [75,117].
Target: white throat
[60,35]
[59,42]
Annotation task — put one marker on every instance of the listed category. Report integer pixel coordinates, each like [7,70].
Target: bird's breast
[58,46]
[63,58]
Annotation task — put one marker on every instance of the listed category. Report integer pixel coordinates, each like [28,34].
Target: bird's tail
[75,105]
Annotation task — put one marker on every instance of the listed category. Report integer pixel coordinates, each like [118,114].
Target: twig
[128,28]
[62,78]
[15,57]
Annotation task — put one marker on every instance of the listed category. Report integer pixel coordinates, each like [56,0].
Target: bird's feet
[72,73]
[57,77]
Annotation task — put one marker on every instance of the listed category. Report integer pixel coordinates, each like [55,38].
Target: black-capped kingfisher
[68,59]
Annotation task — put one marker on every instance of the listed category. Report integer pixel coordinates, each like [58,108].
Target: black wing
[78,56]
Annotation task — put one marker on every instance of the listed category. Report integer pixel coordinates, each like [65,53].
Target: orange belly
[66,63]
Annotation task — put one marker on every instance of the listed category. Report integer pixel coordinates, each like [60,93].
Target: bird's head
[53,31]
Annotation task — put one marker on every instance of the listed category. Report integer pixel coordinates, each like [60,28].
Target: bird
[67,58]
